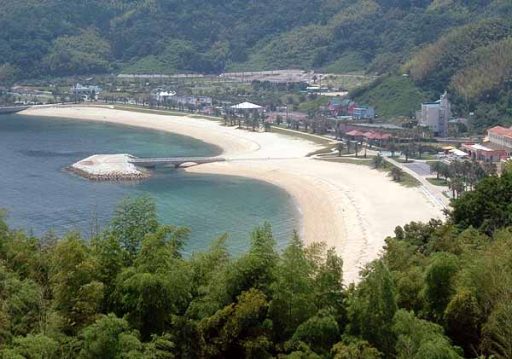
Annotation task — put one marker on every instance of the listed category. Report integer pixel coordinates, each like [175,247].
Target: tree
[340,147]
[439,286]
[292,294]
[329,290]
[36,346]
[488,207]
[8,74]
[237,330]
[378,161]
[349,143]
[436,167]
[353,348]
[406,151]
[319,332]
[396,173]
[419,339]
[147,292]
[74,282]
[497,332]
[256,269]
[464,319]
[392,148]
[109,337]
[87,52]
[372,307]
[132,220]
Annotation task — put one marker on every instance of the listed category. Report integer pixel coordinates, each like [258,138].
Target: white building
[435,115]
[86,92]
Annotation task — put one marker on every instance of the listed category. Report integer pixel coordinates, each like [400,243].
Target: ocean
[40,196]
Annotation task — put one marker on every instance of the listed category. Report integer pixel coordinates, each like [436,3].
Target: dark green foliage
[109,337]
[488,207]
[292,291]
[353,348]
[84,53]
[319,332]
[419,339]
[32,347]
[439,283]
[372,307]
[462,46]
[440,290]
[133,219]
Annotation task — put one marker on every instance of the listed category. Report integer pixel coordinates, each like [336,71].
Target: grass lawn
[438,181]
[306,136]
[135,108]
[407,180]
[352,160]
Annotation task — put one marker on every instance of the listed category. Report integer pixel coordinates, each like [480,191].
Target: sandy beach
[349,207]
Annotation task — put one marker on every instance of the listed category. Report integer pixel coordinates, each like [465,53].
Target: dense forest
[439,290]
[464,46]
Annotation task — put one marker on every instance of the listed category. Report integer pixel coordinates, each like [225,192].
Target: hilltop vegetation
[439,290]
[441,44]
[174,35]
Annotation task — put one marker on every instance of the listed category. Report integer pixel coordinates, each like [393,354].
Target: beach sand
[349,207]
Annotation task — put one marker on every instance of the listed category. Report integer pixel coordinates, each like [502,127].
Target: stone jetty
[109,168]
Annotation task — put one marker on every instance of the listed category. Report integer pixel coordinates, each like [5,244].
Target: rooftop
[501,131]
[246,106]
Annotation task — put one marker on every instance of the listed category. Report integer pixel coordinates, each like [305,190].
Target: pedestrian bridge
[172,161]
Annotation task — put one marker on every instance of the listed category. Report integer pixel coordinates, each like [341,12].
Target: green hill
[441,44]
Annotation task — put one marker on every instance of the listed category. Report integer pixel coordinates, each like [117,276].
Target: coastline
[351,208]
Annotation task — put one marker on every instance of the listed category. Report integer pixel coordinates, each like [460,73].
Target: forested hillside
[441,44]
[439,291]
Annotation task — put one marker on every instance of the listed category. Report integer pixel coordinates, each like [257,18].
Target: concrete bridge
[172,161]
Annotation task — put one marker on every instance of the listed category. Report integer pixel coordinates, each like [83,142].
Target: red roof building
[501,136]
[356,133]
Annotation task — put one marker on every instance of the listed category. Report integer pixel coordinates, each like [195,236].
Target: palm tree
[377,161]
[436,167]
[340,147]
[392,148]
[397,174]
[406,151]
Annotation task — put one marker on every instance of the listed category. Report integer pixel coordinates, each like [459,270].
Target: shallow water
[39,195]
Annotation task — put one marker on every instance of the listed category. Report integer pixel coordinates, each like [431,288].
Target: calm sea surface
[39,195]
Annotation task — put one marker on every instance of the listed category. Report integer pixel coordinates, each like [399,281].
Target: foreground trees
[439,290]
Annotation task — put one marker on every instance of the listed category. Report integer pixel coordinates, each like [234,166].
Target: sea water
[40,195]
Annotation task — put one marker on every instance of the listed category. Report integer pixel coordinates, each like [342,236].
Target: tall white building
[435,115]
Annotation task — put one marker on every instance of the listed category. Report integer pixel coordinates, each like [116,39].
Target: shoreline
[351,208]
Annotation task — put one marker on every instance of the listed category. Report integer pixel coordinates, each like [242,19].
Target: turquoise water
[39,195]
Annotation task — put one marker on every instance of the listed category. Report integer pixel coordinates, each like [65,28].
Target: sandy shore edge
[351,208]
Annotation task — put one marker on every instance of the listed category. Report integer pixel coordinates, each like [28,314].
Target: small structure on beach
[247,106]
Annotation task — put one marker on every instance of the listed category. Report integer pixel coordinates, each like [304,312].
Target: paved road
[420,168]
